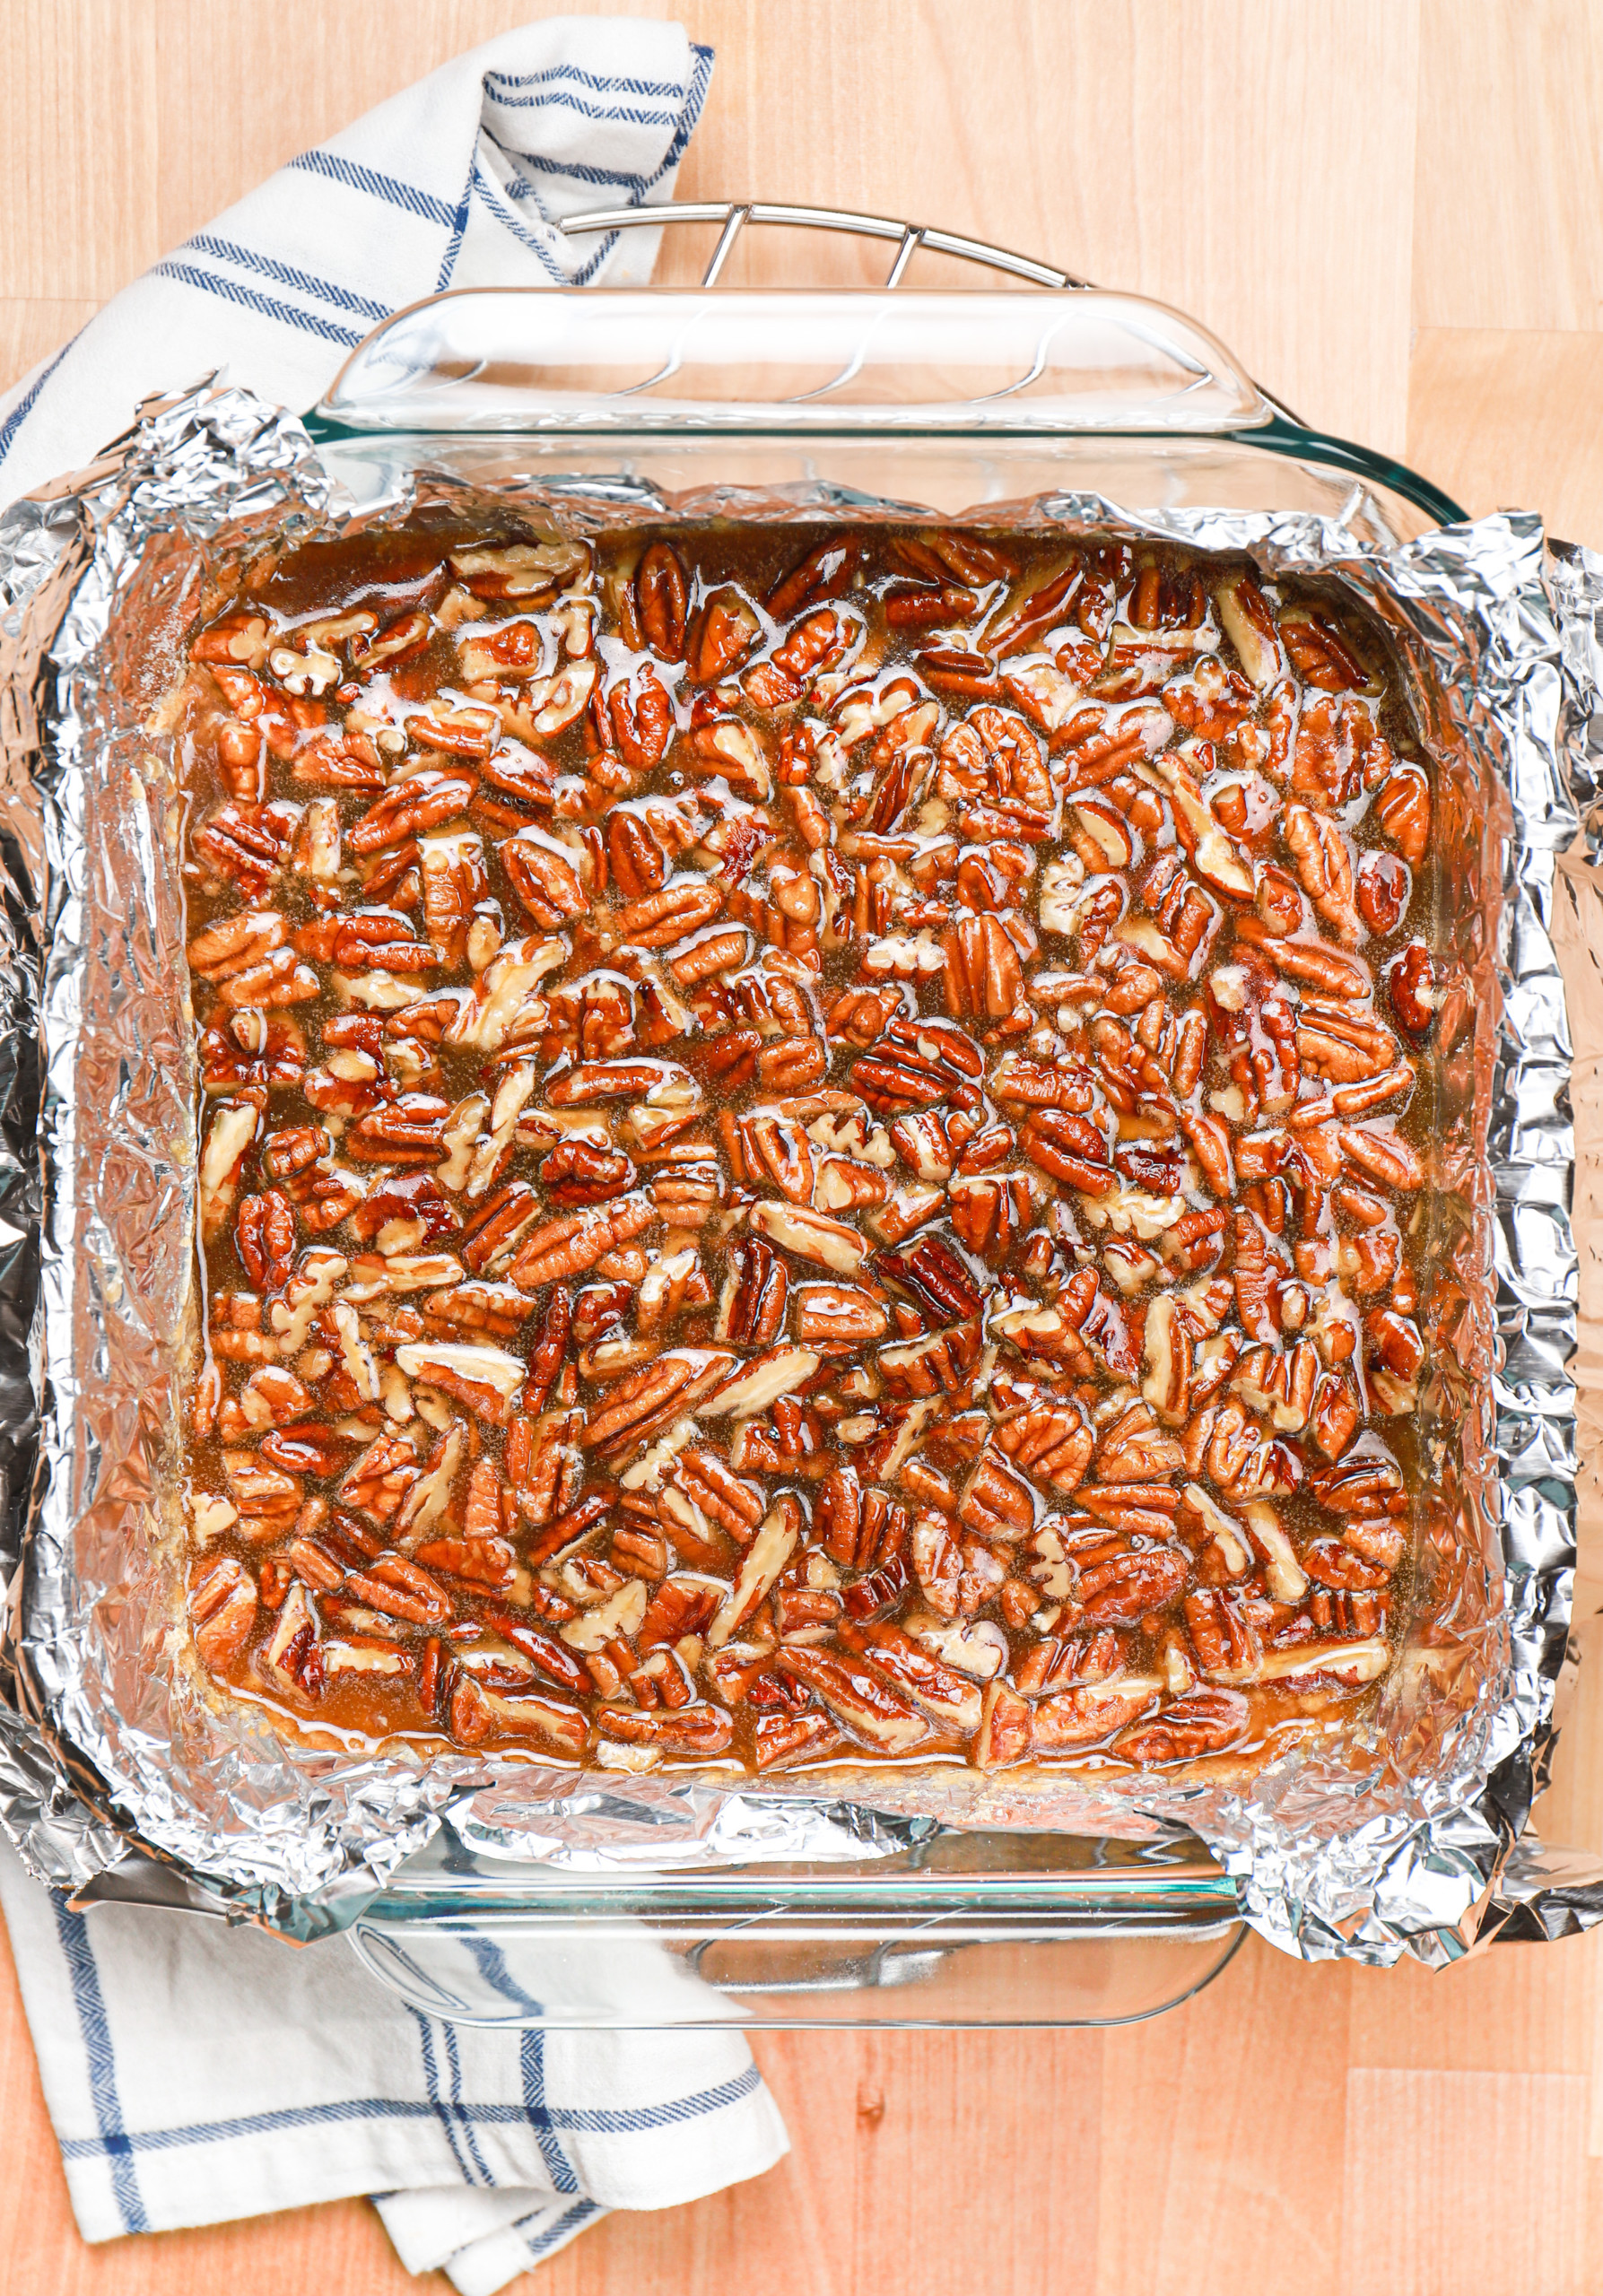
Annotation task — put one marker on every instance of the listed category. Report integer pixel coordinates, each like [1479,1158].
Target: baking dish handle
[794,360]
[776,1967]
[1055,355]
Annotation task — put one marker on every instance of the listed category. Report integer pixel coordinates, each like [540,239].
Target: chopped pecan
[1069,1148]
[1126,1587]
[294,1658]
[996,1502]
[983,974]
[407,1130]
[860,1530]
[1050,1440]
[751,1309]
[935,1273]
[247,845]
[782,1739]
[1247,622]
[810,1235]
[724,629]
[750,1386]
[1240,1461]
[1344,1045]
[1318,651]
[527,571]
[1087,1714]
[763,1561]
[1004,1736]
[703,1730]
[233,1129]
[703,1483]
[947,1696]
[639,859]
[477,1713]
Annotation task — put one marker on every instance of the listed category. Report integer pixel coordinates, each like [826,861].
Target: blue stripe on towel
[24,407]
[598,84]
[453,249]
[623,2120]
[447,2034]
[492,1966]
[246,298]
[557,101]
[611,178]
[435,2105]
[325,291]
[610,2120]
[356,177]
[508,216]
[88,2001]
[696,97]
[531,2052]
[571,2220]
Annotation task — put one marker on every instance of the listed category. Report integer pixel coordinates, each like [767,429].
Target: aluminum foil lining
[1414,1843]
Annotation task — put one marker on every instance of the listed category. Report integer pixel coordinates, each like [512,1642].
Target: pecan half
[576,1241]
[222,1611]
[544,880]
[1403,809]
[411,806]
[1202,1722]
[866,1705]
[576,1171]
[661,592]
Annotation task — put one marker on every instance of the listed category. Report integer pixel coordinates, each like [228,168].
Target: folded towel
[196,2073]
[459,182]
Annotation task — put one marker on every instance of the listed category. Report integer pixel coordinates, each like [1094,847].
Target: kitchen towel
[461,181]
[195,2073]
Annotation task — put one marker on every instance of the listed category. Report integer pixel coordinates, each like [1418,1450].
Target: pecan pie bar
[812,1147]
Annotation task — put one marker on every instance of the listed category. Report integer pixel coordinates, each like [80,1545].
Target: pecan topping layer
[812,1148]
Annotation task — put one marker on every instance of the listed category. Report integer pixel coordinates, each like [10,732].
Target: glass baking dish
[837,402]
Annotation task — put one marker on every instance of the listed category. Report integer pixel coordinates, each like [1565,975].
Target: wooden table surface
[1393,211]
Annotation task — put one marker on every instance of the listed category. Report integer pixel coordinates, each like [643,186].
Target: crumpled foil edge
[1523,655]
[1422,1876]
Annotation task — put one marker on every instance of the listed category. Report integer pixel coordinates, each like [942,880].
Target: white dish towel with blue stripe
[194,2073]
[461,181]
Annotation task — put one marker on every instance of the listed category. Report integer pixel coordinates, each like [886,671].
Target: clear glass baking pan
[950,401]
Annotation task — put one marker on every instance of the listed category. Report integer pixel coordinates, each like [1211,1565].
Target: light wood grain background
[1393,209]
